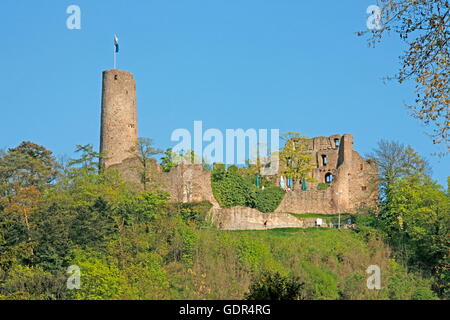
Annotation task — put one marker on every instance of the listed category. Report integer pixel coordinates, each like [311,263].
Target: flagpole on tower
[116,50]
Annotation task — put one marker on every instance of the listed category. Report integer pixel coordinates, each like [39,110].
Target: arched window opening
[328,178]
[336,142]
[324,160]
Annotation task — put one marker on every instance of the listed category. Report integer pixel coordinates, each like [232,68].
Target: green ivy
[231,188]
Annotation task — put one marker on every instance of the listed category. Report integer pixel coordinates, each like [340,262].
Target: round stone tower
[119,133]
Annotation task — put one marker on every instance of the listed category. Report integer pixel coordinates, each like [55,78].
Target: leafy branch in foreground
[424,25]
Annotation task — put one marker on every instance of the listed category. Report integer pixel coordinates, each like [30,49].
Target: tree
[100,280]
[424,25]
[27,165]
[395,161]
[145,153]
[167,161]
[295,159]
[89,161]
[23,204]
[32,283]
[274,286]
[417,221]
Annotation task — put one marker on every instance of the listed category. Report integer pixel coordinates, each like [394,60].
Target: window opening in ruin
[362,167]
[328,178]
[336,142]
[324,160]
[115,77]
[363,188]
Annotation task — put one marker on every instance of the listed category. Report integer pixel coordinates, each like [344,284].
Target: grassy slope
[331,262]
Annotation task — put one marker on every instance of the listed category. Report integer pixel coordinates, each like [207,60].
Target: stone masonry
[119,133]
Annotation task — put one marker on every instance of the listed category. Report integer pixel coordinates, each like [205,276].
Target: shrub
[269,199]
[322,186]
[230,188]
[193,211]
[274,286]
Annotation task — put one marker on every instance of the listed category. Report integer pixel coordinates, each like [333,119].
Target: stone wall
[185,183]
[354,184]
[242,218]
[308,201]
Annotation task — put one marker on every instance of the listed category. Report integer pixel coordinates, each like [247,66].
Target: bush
[193,211]
[274,286]
[231,189]
[269,199]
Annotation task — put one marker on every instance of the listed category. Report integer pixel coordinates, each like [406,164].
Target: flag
[304,187]
[116,43]
[282,184]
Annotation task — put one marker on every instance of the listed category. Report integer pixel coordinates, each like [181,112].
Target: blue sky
[286,64]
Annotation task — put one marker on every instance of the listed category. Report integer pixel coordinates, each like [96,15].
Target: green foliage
[274,286]
[195,211]
[396,161]
[322,283]
[31,283]
[92,225]
[404,286]
[295,160]
[414,215]
[145,152]
[132,245]
[417,221]
[142,207]
[100,279]
[231,188]
[167,160]
[269,199]
[322,186]
[255,255]
[89,161]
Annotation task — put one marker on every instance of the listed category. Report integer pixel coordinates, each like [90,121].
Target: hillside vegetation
[137,245]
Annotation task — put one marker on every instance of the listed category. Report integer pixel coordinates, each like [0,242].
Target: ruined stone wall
[242,218]
[119,132]
[308,201]
[363,186]
[188,183]
[185,183]
[353,187]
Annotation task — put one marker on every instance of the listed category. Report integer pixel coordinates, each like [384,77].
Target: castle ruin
[349,178]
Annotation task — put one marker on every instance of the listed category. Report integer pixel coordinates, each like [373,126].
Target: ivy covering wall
[236,187]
